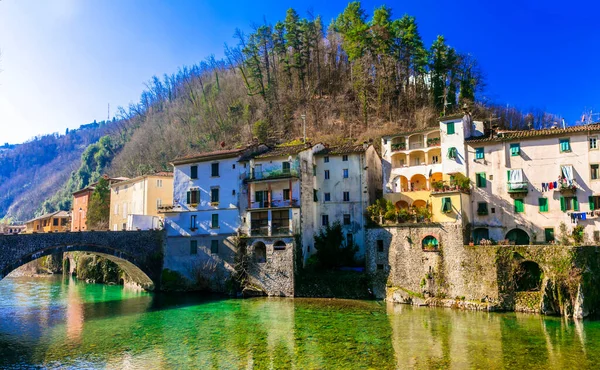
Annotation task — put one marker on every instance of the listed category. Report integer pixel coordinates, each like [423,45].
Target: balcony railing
[398,146]
[518,187]
[259,231]
[433,142]
[271,174]
[276,203]
[275,231]
[418,145]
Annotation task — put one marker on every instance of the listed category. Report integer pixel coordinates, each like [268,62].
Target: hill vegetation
[355,78]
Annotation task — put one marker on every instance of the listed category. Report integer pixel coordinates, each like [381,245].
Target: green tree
[331,252]
[99,206]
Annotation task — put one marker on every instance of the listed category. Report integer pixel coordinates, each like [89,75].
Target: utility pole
[304,127]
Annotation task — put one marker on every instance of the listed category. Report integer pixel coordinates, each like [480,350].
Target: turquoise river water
[56,323]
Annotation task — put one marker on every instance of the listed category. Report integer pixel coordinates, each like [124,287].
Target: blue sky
[64,61]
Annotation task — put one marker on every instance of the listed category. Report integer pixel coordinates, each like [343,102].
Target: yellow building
[134,203]
[51,222]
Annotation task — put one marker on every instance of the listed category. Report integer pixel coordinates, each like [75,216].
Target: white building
[348,180]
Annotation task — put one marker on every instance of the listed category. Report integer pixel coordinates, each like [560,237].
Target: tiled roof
[200,157]
[283,151]
[344,149]
[53,214]
[526,134]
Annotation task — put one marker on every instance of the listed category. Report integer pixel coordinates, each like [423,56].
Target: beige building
[526,183]
[134,203]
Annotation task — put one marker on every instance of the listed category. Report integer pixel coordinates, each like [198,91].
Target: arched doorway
[518,236]
[528,277]
[480,233]
[418,182]
[399,184]
[260,252]
[401,204]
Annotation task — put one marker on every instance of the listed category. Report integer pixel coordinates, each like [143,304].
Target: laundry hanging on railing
[567,173]
[575,216]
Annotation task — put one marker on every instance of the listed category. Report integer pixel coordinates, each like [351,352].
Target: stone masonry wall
[274,276]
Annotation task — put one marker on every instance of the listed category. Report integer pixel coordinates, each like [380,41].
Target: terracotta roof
[200,157]
[283,151]
[91,187]
[344,149]
[526,134]
[52,214]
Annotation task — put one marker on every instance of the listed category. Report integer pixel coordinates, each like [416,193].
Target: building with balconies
[280,194]
[348,180]
[526,183]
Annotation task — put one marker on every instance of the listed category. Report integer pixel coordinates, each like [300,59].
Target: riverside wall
[481,277]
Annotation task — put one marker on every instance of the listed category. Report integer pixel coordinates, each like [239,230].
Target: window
[286,194]
[116,209]
[379,245]
[565,145]
[285,166]
[543,202]
[346,196]
[480,179]
[345,173]
[349,240]
[450,128]
[233,166]
[215,221]
[125,210]
[515,149]
[549,234]
[479,153]
[379,266]
[214,169]
[569,204]
[493,210]
[326,174]
[158,203]
[327,197]
[214,195]
[194,172]
[159,183]
[519,206]
[594,173]
[593,142]
[435,159]
[345,158]
[193,222]
[346,219]
[325,220]
[193,247]
[326,159]
[594,202]
[452,153]
[193,196]
[214,246]
[482,208]
[55,222]
[446,205]
[315,198]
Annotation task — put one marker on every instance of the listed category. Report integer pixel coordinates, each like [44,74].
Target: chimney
[365,145]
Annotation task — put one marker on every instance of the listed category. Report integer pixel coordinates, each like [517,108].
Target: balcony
[275,203]
[518,187]
[255,176]
[566,187]
[435,141]
[398,147]
[167,208]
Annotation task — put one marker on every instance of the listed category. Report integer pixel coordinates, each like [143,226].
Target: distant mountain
[34,171]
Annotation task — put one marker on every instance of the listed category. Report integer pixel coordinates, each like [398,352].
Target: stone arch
[399,184]
[401,204]
[125,262]
[418,182]
[430,243]
[279,245]
[260,252]
[419,203]
[518,236]
[528,277]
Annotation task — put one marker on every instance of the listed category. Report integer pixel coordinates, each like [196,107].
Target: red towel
[550,186]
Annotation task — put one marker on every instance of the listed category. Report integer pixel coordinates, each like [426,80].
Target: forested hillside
[355,78]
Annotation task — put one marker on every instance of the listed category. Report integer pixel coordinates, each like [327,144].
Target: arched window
[279,245]
[430,243]
[518,236]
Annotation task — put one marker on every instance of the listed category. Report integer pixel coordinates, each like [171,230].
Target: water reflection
[68,324]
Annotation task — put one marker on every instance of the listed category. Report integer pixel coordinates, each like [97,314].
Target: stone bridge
[138,253]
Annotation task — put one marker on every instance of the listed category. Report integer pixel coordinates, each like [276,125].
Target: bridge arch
[139,254]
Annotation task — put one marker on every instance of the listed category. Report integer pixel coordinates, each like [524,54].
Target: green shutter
[563,204]
[446,205]
[479,153]
[591,201]
[543,202]
[189,197]
[519,207]
[450,128]
[549,234]
[575,204]
[515,149]
[481,180]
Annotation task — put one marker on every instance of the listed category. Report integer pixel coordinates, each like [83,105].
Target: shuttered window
[479,153]
[450,128]
[214,246]
[193,247]
[193,196]
[515,149]
[446,205]
[549,234]
[452,153]
[480,179]
[543,203]
[569,204]
[565,145]
[482,208]
[194,172]
[519,206]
